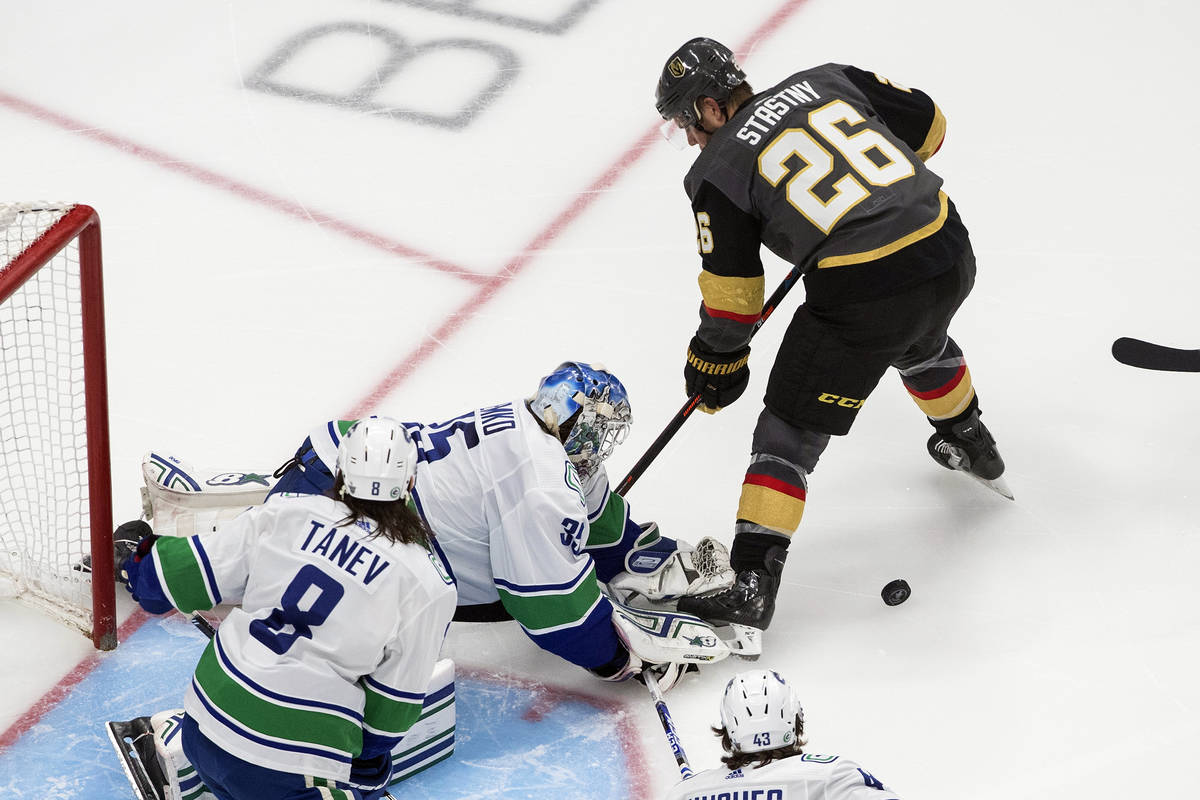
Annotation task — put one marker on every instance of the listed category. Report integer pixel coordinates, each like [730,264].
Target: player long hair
[397,521]
[733,760]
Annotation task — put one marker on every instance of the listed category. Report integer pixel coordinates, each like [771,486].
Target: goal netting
[55,488]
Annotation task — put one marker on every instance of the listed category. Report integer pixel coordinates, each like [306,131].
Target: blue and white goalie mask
[593,403]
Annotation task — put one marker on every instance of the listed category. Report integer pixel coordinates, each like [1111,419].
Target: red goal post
[55,485]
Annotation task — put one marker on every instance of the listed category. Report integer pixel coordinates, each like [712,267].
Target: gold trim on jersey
[937,132]
[899,244]
[740,296]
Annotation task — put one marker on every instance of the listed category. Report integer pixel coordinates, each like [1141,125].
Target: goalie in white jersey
[762,725]
[518,498]
[342,608]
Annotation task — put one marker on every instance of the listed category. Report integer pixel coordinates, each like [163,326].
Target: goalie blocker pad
[151,749]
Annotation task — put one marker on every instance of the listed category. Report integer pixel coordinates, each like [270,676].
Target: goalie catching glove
[667,570]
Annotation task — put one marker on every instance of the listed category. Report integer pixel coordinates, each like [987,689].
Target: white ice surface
[1050,646]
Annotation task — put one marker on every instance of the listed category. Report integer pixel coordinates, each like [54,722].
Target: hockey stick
[205,627]
[694,401]
[664,716]
[1147,355]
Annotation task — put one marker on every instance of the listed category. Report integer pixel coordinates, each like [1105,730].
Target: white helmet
[759,711]
[378,460]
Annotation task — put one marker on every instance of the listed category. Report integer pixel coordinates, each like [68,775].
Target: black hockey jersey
[827,170]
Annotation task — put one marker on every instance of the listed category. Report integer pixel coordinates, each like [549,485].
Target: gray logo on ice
[375,70]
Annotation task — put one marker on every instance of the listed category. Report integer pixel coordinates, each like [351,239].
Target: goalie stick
[668,725]
[1147,355]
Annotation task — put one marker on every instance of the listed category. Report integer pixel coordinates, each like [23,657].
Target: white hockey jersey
[510,515]
[801,777]
[511,518]
[333,642]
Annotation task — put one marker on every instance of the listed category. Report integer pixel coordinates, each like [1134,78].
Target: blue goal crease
[569,752]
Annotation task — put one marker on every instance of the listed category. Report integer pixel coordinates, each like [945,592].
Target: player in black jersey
[827,170]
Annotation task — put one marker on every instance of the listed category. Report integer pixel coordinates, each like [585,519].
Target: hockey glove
[719,378]
[133,562]
[371,774]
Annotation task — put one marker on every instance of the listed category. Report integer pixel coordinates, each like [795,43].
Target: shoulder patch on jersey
[818,759]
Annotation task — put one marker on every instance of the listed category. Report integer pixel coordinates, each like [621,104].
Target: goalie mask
[378,460]
[595,405]
[760,712]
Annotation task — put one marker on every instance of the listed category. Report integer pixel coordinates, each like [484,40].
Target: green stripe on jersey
[609,527]
[538,612]
[264,716]
[387,714]
[183,575]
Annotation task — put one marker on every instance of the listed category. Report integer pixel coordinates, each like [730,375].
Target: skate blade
[744,641]
[997,485]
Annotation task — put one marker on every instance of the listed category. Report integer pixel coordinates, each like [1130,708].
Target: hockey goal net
[55,487]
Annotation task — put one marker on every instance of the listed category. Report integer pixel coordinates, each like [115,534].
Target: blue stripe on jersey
[228,666]
[209,577]
[397,768]
[440,694]
[246,733]
[390,692]
[331,427]
[591,643]
[592,517]
[519,588]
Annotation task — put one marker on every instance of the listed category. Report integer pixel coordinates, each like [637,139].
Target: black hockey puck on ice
[896,592]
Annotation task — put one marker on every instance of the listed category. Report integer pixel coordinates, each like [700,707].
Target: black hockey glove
[719,378]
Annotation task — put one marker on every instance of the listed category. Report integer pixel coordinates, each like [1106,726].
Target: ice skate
[745,607]
[969,447]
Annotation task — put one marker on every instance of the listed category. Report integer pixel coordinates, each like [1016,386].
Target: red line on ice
[64,687]
[245,191]
[489,286]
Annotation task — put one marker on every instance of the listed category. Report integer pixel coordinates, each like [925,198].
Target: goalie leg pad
[667,637]
[184,500]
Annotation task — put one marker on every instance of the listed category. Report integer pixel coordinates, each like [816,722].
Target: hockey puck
[896,592]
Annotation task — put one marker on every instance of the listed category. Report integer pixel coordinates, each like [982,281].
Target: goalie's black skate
[134,743]
[968,446]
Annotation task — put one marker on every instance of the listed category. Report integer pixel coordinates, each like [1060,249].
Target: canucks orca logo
[237,479]
[676,67]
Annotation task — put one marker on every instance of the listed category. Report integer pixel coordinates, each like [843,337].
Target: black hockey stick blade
[140,765]
[1148,355]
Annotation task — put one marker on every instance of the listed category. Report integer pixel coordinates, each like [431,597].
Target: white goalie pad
[163,772]
[667,637]
[688,571]
[183,500]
